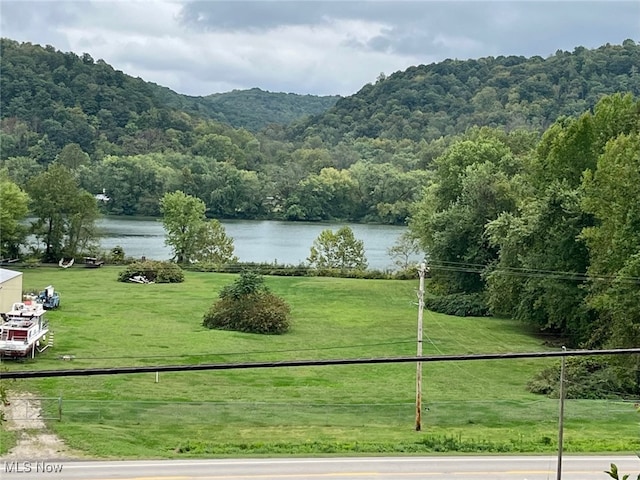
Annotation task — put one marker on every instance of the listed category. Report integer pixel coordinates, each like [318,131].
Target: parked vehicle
[49,298]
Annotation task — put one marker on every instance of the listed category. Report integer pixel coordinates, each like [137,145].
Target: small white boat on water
[24,330]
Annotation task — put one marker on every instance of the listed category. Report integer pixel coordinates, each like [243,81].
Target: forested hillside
[41,86]
[446,98]
[252,109]
[366,159]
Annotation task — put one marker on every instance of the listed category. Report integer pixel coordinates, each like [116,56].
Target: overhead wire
[469,267]
[307,363]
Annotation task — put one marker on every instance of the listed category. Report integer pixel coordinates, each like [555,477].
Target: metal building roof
[6,275]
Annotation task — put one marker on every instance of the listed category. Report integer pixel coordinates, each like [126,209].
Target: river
[287,243]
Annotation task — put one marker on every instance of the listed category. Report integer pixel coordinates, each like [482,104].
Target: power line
[467,267]
[85,372]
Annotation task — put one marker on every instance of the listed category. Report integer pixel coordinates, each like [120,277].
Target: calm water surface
[254,240]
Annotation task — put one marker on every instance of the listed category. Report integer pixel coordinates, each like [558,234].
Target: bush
[263,313]
[248,306]
[116,255]
[459,304]
[585,377]
[153,271]
[303,270]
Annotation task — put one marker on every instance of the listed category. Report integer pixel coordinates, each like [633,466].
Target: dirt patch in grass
[34,441]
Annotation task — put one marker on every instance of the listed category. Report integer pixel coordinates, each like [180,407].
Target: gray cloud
[307,46]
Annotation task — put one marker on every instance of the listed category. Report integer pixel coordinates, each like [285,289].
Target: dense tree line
[550,236]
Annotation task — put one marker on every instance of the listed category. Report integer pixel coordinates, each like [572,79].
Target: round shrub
[263,313]
[248,306]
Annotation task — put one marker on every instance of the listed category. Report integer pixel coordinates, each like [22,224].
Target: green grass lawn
[469,406]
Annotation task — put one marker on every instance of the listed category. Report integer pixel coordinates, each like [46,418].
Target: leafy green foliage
[613,473]
[403,250]
[72,156]
[611,195]
[585,377]
[472,185]
[213,246]
[65,213]
[250,282]
[138,141]
[153,271]
[117,255]
[331,194]
[551,234]
[183,218]
[14,206]
[543,236]
[192,237]
[458,304]
[248,306]
[339,250]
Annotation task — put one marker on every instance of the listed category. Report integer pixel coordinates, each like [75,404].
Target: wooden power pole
[421,271]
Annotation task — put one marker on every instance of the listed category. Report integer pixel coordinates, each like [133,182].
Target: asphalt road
[358,468]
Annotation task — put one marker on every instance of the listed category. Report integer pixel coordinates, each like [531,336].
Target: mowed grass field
[474,406]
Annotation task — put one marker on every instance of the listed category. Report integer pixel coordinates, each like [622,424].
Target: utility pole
[421,271]
[561,419]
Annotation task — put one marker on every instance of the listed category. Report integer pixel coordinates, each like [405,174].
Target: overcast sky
[305,46]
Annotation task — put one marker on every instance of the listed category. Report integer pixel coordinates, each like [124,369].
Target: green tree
[219,148]
[402,251]
[14,206]
[231,193]
[249,306]
[611,194]
[386,192]
[65,213]
[72,156]
[472,185]
[192,237]
[184,221]
[577,215]
[134,184]
[21,169]
[214,245]
[539,275]
[331,194]
[339,250]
